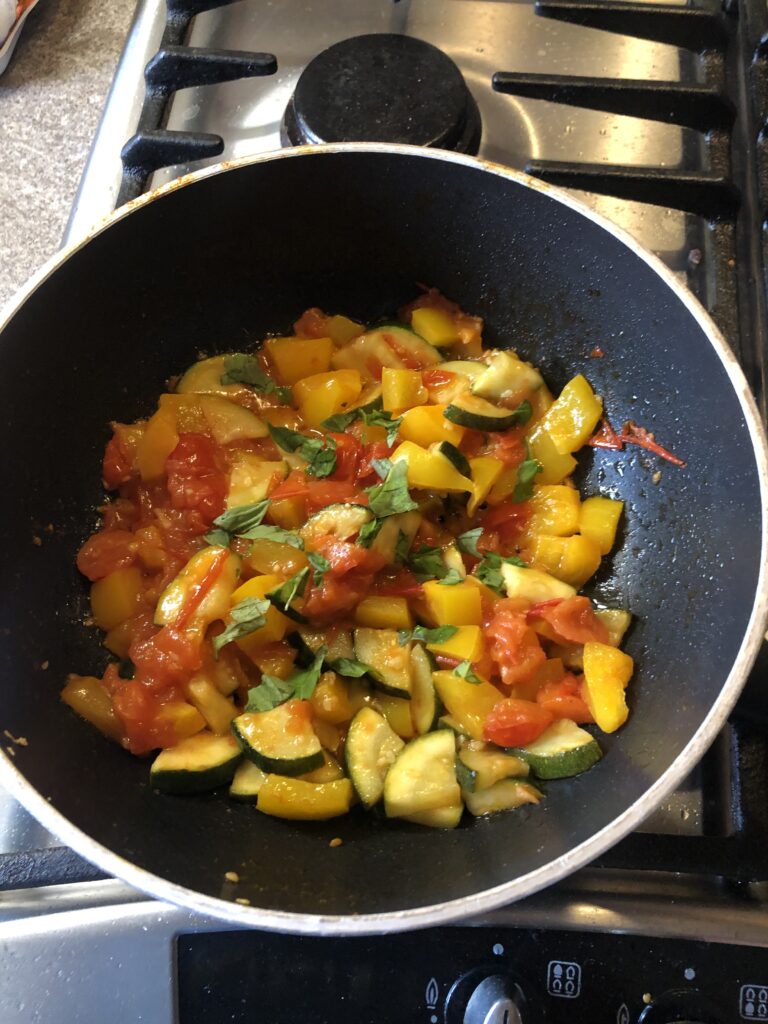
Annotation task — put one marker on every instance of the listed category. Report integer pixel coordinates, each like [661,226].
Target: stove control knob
[496,1000]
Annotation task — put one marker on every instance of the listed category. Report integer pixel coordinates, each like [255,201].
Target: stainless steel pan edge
[525,885]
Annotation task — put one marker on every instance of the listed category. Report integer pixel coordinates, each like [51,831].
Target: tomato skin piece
[194,478]
[106,551]
[166,658]
[513,646]
[513,722]
[321,493]
[335,595]
[294,486]
[401,583]
[117,467]
[313,323]
[574,620]
[507,519]
[366,474]
[563,700]
[435,377]
[348,453]
[508,447]
[345,557]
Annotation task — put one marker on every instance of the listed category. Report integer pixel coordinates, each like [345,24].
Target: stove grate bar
[180,67]
[184,10]
[704,193]
[148,150]
[690,28]
[703,107]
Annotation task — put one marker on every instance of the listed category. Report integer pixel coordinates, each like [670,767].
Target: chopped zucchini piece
[371,749]
[562,750]
[298,800]
[281,740]
[467,703]
[457,458]
[423,776]
[329,771]
[396,535]
[507,379]
[502,796]
[229,421]
[440,817]
[407,343]
[423,696]
[248,780]
[453,560]
[490,766]
[307,642]
[341,521]
[380,649]
[397,712]
[450,723]
[533,585]
[195,765]
[470,411]
[616,621]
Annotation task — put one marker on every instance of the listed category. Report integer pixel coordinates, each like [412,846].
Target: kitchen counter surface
[51,98]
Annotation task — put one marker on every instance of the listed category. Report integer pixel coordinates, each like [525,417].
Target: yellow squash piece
[426,425]
[570,559]
[289,513]
[185,720]
[485,473]
[467,703]
[295,358]
[217,710]
[284,797]
[616,621]
[555,510]
[434,326]
[326,394]
[250,477]
[456,605]
[116,597]
[156,444]
[214,605]
[330,699]
[607,671]
[555,465]
[574,415]
[277,624]
[384,613]
[466,644]
[88,698]
[430,469]
[599,521]
[269,557]
[401,389]
[341,329]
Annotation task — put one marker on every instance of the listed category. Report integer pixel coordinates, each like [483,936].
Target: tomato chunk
[563,700]
[573,620]
[106,551]
[513,723]
[194,478]
[348,453]
[514,647]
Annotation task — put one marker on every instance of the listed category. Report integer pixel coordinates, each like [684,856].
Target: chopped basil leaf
[451,578]
[269,693]
[242,369]
[468,541]
[275,533]
[369,532]
[235,522]
[320,564]
[246,617]
[320,453]
[352,669]
[290,590]
[427,636]
[489,570]
[526,472]
[523,411]
[465,776]
[466,672]
[339,423]
[402,547]
[381,468]
[379,418]
[304,682]
[427,564]
[391,495]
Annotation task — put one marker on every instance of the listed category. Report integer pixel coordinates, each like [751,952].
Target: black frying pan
[218,264]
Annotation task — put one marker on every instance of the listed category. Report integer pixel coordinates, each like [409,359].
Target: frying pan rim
[524,885]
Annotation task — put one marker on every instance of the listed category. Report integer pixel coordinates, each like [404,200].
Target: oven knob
[496,1000]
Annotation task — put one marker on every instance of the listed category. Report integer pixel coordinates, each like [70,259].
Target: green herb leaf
[402,547]
[339,423]
[269,693]
[524,411]
[391,495]
[275,533]
[451,578]
[381,467]
[427,564]
[352,669]
[320,564]
[243,369]
[320,453]
[426,636]
[467,541]
[246,617]
[369,532]
[465,777]
[304,682]
[379,418]
[292,588]
[235,522]
[489,570]
[466,672]
[526,472]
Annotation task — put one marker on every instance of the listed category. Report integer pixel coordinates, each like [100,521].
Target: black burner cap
[384,88]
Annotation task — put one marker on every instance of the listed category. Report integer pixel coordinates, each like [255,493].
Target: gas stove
[652,113]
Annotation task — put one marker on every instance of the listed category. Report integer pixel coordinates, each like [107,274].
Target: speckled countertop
[50,103]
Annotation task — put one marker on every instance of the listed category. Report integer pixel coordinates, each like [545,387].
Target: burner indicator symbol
[622,1016]
[753,1002]
[563,979]
[432,994]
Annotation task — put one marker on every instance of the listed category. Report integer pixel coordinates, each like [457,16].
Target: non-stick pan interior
[219,264]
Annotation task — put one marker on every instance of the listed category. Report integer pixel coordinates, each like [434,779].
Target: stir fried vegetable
[345,568]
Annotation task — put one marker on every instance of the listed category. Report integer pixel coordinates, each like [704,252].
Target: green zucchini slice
[197,764]
[423,777]
[341,521]
[457,459]
[561,751]
[502,796]
[488,766]
[423,697]
[400,339]
[388,542]
[440,817]
[247,782]
[380,649]
[470,411]
[371,749]
[506,378]
[281,740]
